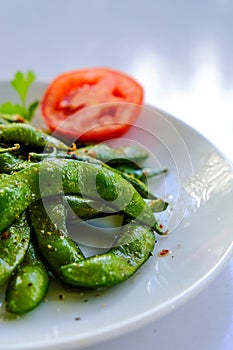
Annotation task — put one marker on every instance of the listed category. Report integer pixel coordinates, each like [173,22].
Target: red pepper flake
[6,235]
[164,252]
[161,226]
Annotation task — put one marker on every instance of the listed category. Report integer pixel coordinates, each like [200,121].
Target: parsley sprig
[21,83]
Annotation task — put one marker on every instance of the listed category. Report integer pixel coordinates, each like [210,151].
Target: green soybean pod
[80,208]
[13,246]
[29,136]
[135,177]
[15,197]
[116,265]
[113,155]
[104,183]
[62,176]
[137,183]
[28,285]
[139,172]
[49,226]
[140,186]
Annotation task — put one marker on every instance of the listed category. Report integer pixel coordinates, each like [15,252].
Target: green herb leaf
[31,109]
[10,108]
[22,82]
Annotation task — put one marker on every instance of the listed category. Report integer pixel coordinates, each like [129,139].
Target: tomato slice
[93,104]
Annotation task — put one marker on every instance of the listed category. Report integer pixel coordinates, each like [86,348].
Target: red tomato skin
[65,95]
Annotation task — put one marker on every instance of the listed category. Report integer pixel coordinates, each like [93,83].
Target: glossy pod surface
[57,185]
[13,246]
[28,285]
[29,136]
[135,246]
[52,237]
[62,176]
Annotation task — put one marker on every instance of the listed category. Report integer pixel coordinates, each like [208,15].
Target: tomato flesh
[92,104]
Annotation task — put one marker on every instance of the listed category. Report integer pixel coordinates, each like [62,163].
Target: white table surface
[182,53]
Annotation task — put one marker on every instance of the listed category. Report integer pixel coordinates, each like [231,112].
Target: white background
[182,53]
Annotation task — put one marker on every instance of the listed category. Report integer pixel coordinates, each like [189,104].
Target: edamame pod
[49,226]
[86,208]
[139,172]
[112,155]
[28,285]
[13,246]
[62,176]
[138,184]
[117,265]
[98,182]
[29,136]
[15,197]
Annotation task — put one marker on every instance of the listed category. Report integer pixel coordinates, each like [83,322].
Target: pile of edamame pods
[42,183]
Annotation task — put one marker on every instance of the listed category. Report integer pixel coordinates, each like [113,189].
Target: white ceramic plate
[199,189]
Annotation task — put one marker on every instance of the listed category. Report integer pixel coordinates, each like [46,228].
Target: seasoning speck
[77,318]
[6,235]
[61,296]
[164,252]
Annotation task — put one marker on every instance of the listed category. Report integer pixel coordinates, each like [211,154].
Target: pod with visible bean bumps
[80,208]
[15,197]
[49,226]
[29,136]
[13,246]
[28,285]
[62,176]
[115,266]
[137,183]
